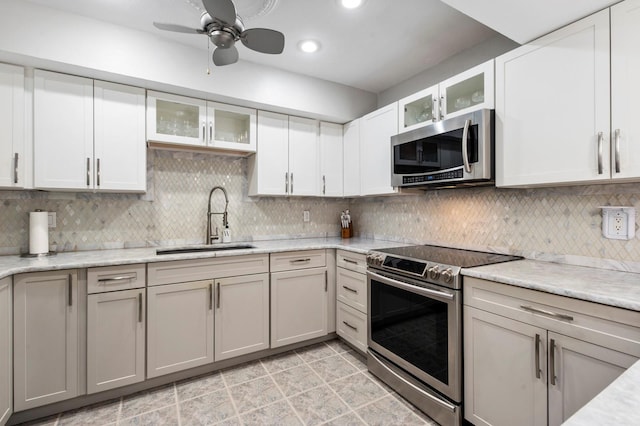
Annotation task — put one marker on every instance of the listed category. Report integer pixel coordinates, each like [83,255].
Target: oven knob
[379,260]
[434,273]
[447,275]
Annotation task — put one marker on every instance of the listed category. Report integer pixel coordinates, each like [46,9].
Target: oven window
[412,326]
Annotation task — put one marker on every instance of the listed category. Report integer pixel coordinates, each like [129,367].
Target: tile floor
[327,383]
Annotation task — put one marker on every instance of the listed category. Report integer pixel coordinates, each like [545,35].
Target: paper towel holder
[51,253]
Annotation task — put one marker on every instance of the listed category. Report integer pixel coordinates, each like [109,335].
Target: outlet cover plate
[305,216]
[618,223]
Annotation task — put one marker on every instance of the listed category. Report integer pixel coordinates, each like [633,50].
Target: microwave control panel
[452,174]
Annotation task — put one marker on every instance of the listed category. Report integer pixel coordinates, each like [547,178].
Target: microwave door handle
[465,153]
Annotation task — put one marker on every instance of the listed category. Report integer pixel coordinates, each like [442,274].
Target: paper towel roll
[38,232]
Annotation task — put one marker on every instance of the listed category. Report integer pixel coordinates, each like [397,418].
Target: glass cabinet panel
[231,127]
[467,93]
[418,111]
[173,118]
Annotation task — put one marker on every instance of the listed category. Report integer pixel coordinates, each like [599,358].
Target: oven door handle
[412,288]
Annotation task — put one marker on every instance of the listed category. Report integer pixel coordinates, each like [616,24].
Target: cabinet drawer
[292,260]
[607,326]
[180,271]
[352,289]
[353,261]
[112,278]
[352,326]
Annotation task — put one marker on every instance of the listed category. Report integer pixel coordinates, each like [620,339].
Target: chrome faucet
[210,236]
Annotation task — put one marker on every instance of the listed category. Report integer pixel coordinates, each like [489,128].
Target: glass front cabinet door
[176,119]
[418,109]
[231,127]
[468,91]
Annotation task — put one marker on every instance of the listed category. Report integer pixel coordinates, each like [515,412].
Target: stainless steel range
[415,323]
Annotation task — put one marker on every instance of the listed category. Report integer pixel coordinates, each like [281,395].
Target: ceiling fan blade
[177,28]
[263,40]
[222,10]
[225,56]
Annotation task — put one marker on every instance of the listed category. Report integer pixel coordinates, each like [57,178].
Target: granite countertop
[10,265]
[613,288]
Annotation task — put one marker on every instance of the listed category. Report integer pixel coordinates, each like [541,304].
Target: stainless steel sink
[197,249]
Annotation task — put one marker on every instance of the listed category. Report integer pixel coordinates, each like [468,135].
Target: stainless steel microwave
[453,152]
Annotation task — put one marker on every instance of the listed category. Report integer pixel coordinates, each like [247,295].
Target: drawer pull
[308,259]
[210,296]
[70,289]
[353,262]
[139,307]
[537,367]
[548,313]
[552,362]
[118,278]
[218,295]
[350,326]
[350,289]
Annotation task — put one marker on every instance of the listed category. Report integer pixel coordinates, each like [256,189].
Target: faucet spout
[210,236]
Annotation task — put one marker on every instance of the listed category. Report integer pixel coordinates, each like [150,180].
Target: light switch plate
[618,223]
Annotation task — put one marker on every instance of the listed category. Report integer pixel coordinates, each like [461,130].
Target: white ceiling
[372,48]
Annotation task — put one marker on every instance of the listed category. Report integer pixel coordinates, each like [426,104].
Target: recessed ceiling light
[309,46]
[351,4]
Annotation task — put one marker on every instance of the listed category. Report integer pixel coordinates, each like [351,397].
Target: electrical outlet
[618,223]
[305,216]
[52,219]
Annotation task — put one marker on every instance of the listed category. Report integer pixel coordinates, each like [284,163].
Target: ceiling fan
[224,28]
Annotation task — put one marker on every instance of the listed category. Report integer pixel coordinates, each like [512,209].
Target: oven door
[417,326]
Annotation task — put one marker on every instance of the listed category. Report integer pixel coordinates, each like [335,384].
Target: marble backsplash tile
[547,223]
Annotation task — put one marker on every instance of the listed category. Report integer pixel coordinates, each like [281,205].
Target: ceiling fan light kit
[224,28]
[350,4]
[309,46]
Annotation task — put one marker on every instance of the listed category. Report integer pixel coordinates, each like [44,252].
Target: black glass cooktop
[448,256]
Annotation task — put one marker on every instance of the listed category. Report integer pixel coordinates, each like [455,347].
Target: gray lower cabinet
[241,315]
[115,339]
[45,328]
[6,345]
[180,326]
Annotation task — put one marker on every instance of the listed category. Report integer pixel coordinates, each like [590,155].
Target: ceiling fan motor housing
[222,38]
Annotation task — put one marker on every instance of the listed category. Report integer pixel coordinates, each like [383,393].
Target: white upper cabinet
[231,127]
[625,89]
[351,158]
[63,131]
[376,129]
[331,163]
[176,119]
[120,149]
[269,168]
[468,91]
[552,107]
[303,156]
[12,139]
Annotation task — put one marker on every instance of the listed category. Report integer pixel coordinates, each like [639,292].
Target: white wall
[36,36]
[464,60]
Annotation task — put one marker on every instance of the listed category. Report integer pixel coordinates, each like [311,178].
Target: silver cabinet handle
[210,131]
[15,168]
[405,117]
[434,102]
[440,104]
[350,326]
[70,289]
[465,149]
[308,259]
[552,362]
[600,143]
[324,184]
[548,313]
[218,295]
[617,150]
[353,262]
[139,307]
[210,296]
[326,281]
[98,172]
[286,183]
[117,278]
[350,289]
[537,366]
[292,183]
[204,131]
[88,171]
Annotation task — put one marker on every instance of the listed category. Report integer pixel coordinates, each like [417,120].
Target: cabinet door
[242,315]
[578,371]
[115,339]
[351,158]
[12,126]
[180,327]
[419,109]
[468,91]
[231,127]
[269,168]
[501,370]
[331,164]
[63,131]
[6,347]
[176,119]
[625,89]
[298,305]
[303,156]
[120,147]
[45,329]
[552,103]
[376,130]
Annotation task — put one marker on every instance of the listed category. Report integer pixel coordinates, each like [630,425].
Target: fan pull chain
[208,56]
